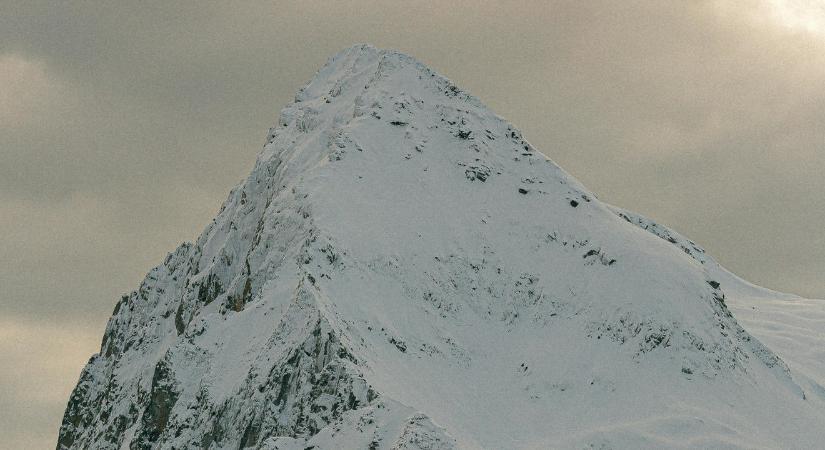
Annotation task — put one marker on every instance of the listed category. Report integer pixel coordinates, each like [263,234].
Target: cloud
[26,91]
[41,365]
[806,16]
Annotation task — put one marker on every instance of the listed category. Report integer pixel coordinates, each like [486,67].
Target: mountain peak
[363,66]
[402,269]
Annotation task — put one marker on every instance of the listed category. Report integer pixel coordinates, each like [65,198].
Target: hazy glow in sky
[807,15]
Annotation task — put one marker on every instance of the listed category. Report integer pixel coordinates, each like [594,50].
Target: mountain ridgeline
[403,270]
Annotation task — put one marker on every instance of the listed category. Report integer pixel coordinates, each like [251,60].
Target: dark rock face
[298,397]
[80,412]
[162,399]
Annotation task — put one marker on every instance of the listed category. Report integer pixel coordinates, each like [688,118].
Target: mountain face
[403,270]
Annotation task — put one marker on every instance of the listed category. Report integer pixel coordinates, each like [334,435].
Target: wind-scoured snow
[402,269]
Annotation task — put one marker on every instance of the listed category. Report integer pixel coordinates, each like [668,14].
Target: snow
[402,269]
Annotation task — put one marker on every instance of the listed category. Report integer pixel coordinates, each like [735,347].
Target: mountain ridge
[402,269]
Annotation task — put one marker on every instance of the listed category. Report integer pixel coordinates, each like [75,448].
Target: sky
[123,126]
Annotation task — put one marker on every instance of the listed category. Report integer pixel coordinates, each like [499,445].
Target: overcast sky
[123,125]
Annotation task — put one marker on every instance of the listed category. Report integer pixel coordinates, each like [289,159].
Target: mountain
[403,270]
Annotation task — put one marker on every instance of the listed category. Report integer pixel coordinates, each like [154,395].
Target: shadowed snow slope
[402,269]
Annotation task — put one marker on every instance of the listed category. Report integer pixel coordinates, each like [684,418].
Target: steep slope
[402,269]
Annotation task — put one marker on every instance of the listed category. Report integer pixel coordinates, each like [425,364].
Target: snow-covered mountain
[402,270]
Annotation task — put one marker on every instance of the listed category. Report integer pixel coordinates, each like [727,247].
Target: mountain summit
[403,270]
